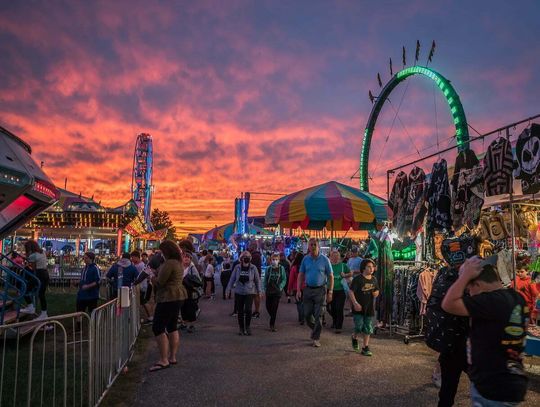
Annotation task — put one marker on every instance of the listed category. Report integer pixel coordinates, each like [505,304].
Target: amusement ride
[141,182]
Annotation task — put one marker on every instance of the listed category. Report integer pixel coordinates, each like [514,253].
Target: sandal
[159,366]
[173,363]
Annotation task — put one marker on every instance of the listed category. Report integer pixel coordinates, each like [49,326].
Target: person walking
[274,282]
[446,334]
[364,289]
[341,271]
[225,275]
[246,284]
[257,261]
[316,271]
[170,294]
[293,281]
[354,261]
[193,284]
[122,274]
[209,285]
[37,262]
[497,335]
[287,267]
[88,294]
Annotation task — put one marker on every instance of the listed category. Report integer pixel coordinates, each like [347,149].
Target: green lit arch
[450,94]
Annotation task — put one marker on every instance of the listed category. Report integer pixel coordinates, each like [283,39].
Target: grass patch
[122,392]
[47,374]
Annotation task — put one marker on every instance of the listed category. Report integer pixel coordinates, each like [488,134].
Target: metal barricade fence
[45,362]
[115,331]
[67,360]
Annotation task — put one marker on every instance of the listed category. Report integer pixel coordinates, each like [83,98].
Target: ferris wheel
[141,181]
[441,85]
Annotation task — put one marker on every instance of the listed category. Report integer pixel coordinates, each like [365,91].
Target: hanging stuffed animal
[528,159]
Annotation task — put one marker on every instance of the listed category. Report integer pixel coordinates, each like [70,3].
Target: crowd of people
[481,331]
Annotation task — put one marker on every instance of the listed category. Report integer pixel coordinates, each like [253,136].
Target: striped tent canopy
[224,232]
[332,205]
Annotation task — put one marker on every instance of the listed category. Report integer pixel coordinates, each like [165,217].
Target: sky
[258,96]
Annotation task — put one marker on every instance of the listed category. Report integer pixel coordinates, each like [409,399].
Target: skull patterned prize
[528,159]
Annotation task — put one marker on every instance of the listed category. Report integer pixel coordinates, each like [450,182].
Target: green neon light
[450,94]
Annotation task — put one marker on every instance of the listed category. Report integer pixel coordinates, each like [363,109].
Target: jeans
[313,300]
[272,304]
[452,364]
[299,307]
[224,282]
[244,304]
[336,308]
[43,277]
[478,401]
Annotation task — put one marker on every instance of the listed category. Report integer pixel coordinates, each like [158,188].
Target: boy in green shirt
[364,288]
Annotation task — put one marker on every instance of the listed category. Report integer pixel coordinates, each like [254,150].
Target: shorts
[363,324]
[166,317]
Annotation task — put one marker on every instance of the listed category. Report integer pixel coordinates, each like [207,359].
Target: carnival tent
[224,232]
[332,205]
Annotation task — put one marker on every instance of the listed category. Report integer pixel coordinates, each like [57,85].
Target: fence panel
[45,362]
[67,360]
[115,330]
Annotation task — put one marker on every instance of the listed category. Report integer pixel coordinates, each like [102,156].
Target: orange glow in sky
[248,96]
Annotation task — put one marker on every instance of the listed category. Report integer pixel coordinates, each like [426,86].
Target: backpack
[444,332]
[192,281]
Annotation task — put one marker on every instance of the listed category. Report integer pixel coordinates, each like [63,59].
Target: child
[526,288]
[364,288]
[274,282]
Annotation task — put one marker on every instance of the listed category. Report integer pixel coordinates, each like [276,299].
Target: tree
[161,220]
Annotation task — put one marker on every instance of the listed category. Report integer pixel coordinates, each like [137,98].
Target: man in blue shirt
[88,294]
[316,271]
[354,262]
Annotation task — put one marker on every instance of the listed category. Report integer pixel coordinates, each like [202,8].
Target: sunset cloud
[248,96]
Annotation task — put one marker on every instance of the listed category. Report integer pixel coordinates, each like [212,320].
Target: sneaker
[255,315]
[241,333]
[191,329]
[288,300]
[355,345]
[366,351]
[316,343]
[28,310]
[247,332]
[273,329]
[233,314]
[43,315]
